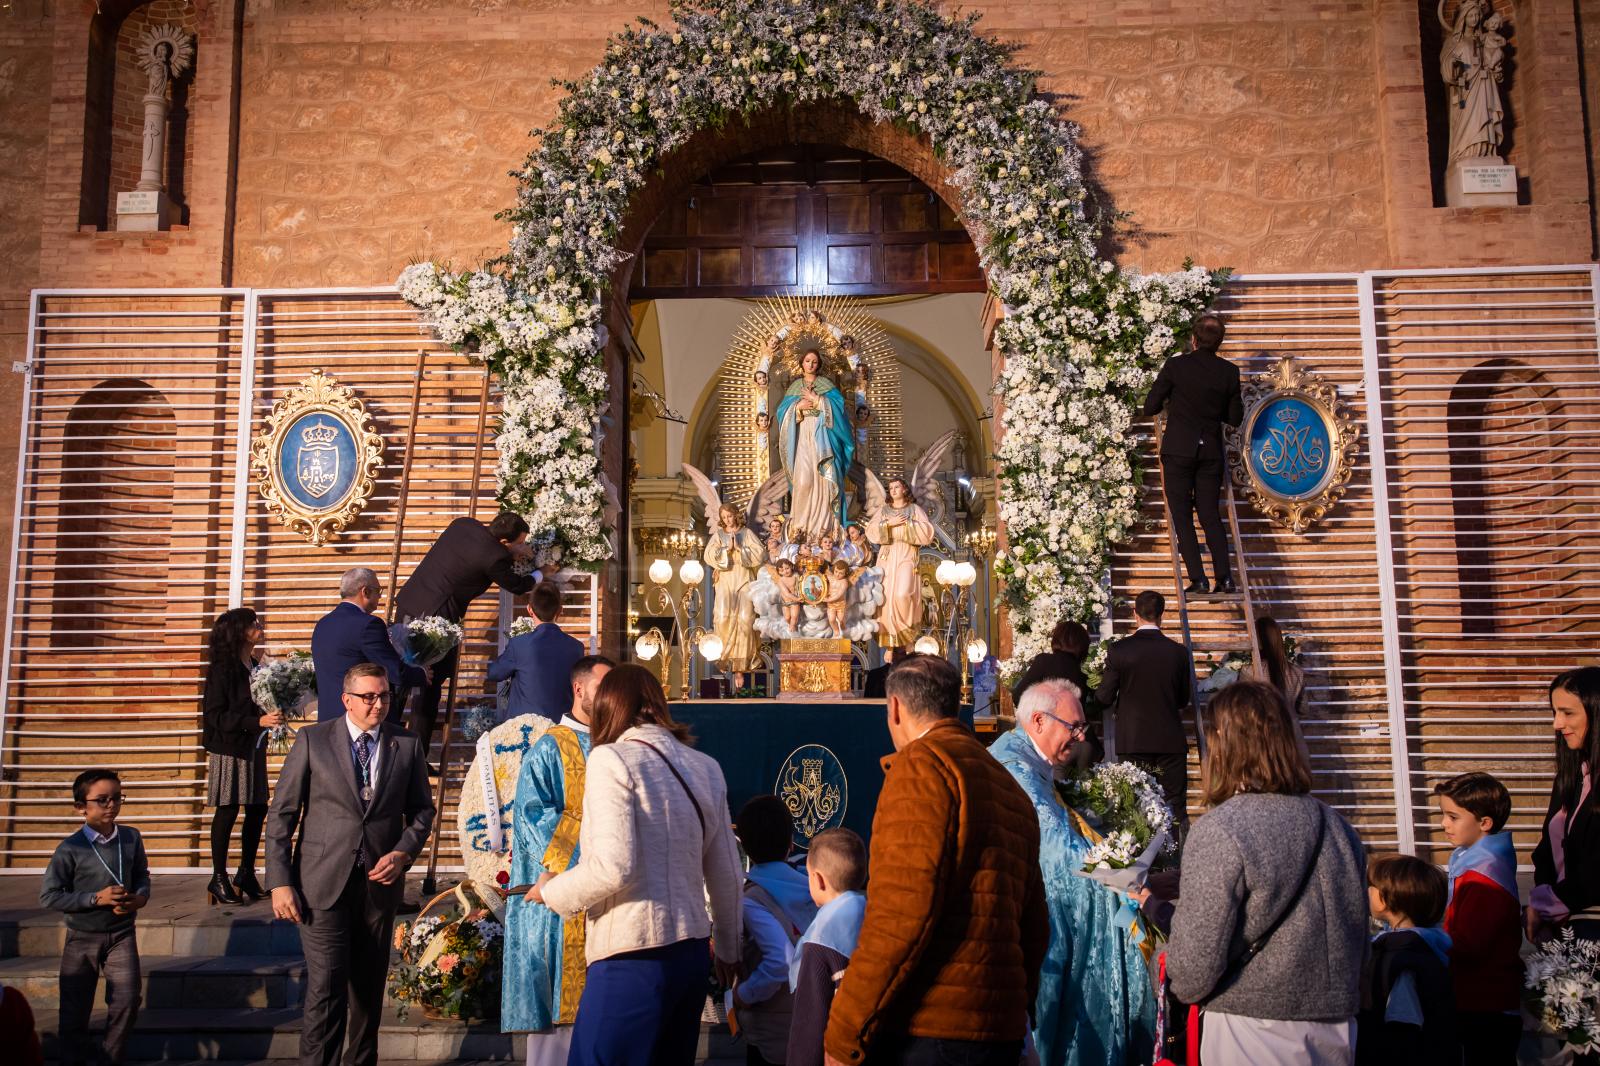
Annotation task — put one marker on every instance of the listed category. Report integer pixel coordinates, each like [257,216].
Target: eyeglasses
[371,699]
[1077,730]
[113,800]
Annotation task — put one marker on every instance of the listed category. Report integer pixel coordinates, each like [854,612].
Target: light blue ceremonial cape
[1095,1006]
[543,967]
[836,446]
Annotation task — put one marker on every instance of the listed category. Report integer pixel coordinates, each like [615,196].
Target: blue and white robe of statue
[1096,1006]
[543,968]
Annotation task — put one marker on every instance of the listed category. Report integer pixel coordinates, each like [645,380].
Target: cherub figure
[824,548]
[789,586]
[760,377]
[855,550]
[839,581]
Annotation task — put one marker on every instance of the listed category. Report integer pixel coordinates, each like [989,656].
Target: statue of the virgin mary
[817,443]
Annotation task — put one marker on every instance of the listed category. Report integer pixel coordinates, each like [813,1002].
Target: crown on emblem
[1289,414]
[321,433]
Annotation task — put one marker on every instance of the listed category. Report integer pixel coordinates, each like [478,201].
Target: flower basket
[1562,989]
[1130,819]
[425,641]
[450,958]
[287,686]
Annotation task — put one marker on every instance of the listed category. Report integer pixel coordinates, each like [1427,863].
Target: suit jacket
[1146,684]
[345,636]
[539,667]
[1200,391]
[318,794]
[463,562]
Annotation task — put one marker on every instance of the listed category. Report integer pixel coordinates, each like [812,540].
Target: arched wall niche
[113,116]
[117,486]
[1518,523]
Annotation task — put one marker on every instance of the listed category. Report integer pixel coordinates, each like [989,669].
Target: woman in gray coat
[1271,920]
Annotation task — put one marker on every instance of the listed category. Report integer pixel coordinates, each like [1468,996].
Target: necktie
[363,748]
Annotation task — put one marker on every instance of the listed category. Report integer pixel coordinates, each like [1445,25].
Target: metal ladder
[1243,597]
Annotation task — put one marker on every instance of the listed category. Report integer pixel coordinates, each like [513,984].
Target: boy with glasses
[99,878]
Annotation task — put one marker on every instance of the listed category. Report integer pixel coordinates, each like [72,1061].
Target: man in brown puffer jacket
[947,965]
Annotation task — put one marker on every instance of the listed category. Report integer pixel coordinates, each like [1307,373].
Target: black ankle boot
[221,892]
[248,887]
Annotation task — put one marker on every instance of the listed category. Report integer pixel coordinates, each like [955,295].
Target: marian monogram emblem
[812,785]
[1294,452]
[317,464]
[1290,453]
[317,458]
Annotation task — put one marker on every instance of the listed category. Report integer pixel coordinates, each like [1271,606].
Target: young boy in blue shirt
[98,878]
[836,868]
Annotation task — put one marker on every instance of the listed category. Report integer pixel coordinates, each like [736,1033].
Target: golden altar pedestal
[814,669]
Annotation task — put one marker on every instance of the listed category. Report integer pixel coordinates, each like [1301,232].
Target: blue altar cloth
[821,758]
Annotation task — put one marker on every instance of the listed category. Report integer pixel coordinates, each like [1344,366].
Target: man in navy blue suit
[539,663]
[351,634]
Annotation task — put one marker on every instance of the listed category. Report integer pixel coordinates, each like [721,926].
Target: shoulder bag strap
[700,814]
[1236,967]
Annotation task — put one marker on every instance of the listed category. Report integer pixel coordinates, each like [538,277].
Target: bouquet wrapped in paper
[520,625]
[1234,663]
[1129,820]
[1562,989]
[424,641]
[287,686]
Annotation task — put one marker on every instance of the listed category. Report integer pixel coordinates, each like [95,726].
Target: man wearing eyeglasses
[1094,1001]
[356,788]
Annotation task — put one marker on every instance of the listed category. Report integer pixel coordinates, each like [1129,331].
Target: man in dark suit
[356,788]
[351,634]
[1200,391]
[539,663]
[1146,685]
[467,558]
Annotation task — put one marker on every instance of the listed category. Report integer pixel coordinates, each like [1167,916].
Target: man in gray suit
[357,789]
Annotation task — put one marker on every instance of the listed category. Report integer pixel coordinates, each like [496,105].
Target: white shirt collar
[573,724]
[1149,625]
[94,834]
[355,731]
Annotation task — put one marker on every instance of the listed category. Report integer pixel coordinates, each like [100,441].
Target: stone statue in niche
[165,53]
[1472,65]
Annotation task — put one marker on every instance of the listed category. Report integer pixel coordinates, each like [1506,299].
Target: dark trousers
[85,959]
[347,961]
[1487,1038]
[1190,484]
[425,709]
[642,1008]
[1172,774]
[927,1051]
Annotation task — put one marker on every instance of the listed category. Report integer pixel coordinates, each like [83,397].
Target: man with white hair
[351,634]
[1095,1003]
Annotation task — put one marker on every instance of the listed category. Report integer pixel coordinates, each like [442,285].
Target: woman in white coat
[656,841]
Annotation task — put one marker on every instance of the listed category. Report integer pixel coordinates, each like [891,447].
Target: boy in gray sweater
[99,878]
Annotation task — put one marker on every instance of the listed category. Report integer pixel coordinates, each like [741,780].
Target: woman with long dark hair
[655,843]
[236,761]
[1276,670]
[1069,643]
[1566,864]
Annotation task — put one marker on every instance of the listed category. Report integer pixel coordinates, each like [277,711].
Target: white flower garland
[1081,338]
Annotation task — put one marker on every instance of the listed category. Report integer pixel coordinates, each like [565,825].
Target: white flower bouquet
[1562,988]
[286,686]
[1123,804]
[1234,663]
[520,625]
[427,640]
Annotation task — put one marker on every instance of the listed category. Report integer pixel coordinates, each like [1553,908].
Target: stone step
[177,928]
[273,1035]
[191,982]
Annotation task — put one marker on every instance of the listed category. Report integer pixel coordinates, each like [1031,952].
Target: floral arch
[1081,338]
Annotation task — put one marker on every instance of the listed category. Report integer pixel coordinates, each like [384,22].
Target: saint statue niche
[817,443]
[1472,64]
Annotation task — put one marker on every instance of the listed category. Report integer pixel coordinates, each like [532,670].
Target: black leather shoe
[221,892]
[249,889]
[1197,588]
[407,907]
[1227,588]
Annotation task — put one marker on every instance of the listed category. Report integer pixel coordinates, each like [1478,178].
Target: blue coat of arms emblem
[317,462]
[811,783]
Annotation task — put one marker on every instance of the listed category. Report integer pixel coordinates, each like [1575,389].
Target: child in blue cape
[1408,1012]
[836,867]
